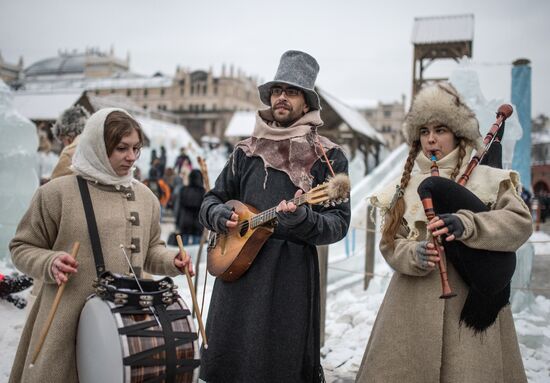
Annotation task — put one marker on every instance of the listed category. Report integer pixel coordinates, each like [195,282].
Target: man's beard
[286,120]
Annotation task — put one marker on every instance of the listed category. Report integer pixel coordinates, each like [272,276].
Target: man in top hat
[264,327]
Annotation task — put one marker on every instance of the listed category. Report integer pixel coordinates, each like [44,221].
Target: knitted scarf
[292,150]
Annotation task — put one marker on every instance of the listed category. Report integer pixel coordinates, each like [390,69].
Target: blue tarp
[521,98]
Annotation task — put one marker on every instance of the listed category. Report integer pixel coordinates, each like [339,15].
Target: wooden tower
[439,37]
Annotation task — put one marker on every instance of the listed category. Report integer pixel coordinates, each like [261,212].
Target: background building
[386,118]
[199,99]
[10,73]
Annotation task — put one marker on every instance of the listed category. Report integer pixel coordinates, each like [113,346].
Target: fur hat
[297,69]
[441,103]
[71,122]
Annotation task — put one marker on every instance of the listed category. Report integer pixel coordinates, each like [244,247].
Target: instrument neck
[487,141]
[270,214]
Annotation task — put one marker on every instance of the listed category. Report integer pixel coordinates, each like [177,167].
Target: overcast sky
[363,46]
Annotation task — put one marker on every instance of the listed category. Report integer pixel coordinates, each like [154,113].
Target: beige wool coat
[416,336]
[62,168]
[53,222]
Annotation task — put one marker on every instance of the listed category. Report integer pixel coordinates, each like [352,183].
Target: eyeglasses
[290,92]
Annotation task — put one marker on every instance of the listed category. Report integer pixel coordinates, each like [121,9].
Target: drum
[123,343]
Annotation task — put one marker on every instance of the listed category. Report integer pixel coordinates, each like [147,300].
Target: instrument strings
[261,218]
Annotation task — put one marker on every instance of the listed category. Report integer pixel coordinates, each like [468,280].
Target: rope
[326,158]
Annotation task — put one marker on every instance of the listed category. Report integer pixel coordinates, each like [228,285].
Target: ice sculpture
[466,81]
[18,178]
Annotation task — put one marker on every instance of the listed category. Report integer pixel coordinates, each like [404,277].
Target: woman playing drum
[127,214]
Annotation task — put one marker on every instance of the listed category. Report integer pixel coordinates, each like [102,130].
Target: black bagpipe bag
[487,273]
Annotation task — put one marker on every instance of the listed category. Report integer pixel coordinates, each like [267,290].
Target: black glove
[453,223]
[421,255]
[219,215]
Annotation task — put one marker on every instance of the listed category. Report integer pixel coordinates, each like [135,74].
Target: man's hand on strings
[290,215]
[288,207]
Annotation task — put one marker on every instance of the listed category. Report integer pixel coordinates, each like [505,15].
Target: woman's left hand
[184,262]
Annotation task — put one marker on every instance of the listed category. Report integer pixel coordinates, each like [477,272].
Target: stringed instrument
[231,254]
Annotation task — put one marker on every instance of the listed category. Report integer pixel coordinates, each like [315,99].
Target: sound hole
[244,228]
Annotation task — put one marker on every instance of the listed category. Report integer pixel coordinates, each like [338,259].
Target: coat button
[128,195]
[132,246]
[132,219]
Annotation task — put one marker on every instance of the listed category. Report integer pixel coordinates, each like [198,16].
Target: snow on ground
[350,316]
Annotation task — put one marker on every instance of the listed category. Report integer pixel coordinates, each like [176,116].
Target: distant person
[526,196]
[169,177]
[159,188]
[181,160]
[66,129]
[154,156]
[544,202]
[154,170]
[174,181]
[162,162]
[47,159]
[190,200]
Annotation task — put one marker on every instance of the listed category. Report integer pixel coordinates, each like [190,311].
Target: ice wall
[18,178]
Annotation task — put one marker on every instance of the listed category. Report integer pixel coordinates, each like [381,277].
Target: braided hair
[395,214]
[461,155]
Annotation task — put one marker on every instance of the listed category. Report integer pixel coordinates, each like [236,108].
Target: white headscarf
[90,159]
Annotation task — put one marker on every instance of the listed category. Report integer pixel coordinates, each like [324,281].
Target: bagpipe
[487,273]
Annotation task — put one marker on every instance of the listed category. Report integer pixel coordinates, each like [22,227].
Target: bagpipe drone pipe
[487,273]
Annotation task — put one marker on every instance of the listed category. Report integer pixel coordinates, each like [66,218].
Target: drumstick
[193,296]
[53,309]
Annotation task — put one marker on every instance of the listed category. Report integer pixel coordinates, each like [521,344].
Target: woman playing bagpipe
[127,215]
[418,337]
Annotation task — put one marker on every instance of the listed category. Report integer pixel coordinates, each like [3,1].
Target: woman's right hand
[62,265]
[426,255]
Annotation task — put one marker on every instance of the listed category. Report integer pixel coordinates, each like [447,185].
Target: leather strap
[92,225]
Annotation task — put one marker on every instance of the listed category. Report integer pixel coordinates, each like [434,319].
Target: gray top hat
[297,69]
